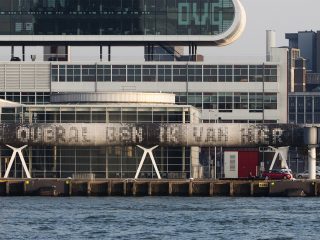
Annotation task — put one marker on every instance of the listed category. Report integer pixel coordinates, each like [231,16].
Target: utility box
[241,164]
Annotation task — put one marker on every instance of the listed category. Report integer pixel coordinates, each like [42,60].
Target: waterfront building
[174,88]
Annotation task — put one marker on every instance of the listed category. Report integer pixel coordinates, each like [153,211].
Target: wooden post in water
[211,189]
[252,188]
[89,188]
[7,188]
[125,188]
[150,189]
[190,188]
[109,188]
[231,186]
[170,188]
[134,189]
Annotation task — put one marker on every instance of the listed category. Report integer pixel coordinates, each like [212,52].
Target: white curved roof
[114,97]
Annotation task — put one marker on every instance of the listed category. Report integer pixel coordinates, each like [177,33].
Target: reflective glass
[115,17]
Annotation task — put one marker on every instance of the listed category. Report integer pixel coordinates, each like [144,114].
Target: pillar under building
[311,140]
[312,154]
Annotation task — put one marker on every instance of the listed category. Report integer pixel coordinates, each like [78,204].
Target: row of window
[304,109]
[13,115]
[26,97]
[164,73]
[229,100]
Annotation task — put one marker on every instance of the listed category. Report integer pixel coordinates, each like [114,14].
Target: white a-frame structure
[147,151]
[13,156]
[283,153]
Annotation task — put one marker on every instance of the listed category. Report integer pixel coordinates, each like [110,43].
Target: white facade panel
[231,164]
[25,77]
[74,87]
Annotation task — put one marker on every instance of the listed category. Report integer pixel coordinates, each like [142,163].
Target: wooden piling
[231,189]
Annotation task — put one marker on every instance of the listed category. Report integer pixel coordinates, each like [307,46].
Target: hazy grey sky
[279,15]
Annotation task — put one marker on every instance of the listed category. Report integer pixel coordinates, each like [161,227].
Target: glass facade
[95,114]
[227,101]
[115,17]
[163,73]
[27,97]
[100,161]
[304,109]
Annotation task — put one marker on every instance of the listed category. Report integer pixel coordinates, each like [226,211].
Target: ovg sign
[224,20]
[203,13]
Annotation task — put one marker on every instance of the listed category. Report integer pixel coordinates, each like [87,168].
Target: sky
[280,15]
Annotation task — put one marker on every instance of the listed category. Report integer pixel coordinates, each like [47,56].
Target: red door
[248,161]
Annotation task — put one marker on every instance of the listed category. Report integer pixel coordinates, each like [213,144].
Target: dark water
[159,218]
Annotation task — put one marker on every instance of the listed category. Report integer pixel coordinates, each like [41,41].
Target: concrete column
[54,169]
[12,51]
[196,169]
[312,162]
[101,53]
[109,53]
[183,161]
[107,162]
[23,53]
[310,137]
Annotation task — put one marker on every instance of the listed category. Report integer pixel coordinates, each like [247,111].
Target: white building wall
[280,55]
[24,76]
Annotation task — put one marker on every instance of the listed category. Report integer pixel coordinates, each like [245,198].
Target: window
[292,104]
[210,100]
[240,100]
[210,73]
[225,73]
[194,73]
[149,73]
[181,98]
[241,73]
[164,73]
[255,73]
[255,102]
[134,73]
[270,73]
[179,73]
[225,101]
[88,73]
[195,99]
[103,73]
[118,73]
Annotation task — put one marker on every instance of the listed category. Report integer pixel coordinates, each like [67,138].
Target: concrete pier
[147,187]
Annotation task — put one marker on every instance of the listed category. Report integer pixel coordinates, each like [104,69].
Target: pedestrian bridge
[149,134]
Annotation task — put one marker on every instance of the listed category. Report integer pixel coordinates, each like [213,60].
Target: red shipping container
[248,162]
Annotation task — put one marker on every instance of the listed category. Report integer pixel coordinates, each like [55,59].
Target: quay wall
[148,187]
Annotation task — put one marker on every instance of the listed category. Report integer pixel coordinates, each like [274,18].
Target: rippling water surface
[159,218]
